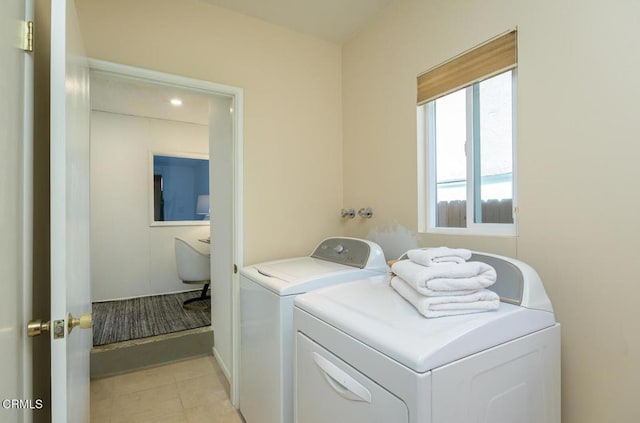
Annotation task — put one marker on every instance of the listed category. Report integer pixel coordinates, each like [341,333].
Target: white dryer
[267,292]
[365,355]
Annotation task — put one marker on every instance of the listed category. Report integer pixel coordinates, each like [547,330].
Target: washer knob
[339,248]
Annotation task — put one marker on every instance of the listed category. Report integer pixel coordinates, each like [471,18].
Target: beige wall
[292,115]
[578,91]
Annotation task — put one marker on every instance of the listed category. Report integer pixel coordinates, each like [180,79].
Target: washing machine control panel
[347,251]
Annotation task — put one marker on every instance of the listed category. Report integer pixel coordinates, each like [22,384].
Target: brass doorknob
[36,327]
[85,321]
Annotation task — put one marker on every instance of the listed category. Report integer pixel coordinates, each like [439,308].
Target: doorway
[132,252]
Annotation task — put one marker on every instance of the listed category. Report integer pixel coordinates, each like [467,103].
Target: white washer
[365,355]
[267,292]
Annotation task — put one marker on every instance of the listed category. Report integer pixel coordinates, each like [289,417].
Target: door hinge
[27,36]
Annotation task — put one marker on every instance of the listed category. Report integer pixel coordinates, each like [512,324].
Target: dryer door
[329,390]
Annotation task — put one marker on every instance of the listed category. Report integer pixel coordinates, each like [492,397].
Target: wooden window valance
[491,58]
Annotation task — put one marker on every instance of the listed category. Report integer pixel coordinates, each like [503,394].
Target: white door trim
[237,94]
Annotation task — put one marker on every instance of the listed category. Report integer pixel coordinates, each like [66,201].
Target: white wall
[578,125]
[129,257]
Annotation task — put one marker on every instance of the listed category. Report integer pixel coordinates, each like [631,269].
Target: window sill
[497,230]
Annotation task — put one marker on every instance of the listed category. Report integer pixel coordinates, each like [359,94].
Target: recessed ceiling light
[176,102]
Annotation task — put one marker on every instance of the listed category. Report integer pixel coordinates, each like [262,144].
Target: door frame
[237,95]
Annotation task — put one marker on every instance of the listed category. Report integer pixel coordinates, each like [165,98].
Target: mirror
[179,189]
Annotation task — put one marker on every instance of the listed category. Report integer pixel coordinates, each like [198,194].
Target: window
[466,145]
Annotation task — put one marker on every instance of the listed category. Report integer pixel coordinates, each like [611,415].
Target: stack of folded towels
[441,282]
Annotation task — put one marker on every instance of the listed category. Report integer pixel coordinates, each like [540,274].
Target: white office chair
[193,268]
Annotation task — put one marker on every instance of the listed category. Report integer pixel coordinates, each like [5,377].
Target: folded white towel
[453,277]
[476,302]
[440,255]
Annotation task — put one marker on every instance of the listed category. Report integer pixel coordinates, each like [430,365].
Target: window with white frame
[466,142]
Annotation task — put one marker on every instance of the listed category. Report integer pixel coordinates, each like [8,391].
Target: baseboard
[223,367]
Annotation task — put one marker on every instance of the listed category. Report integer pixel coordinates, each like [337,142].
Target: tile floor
[189,391]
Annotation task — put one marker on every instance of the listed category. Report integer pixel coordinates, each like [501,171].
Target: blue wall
[183,179]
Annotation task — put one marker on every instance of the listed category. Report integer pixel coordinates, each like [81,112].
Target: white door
[70,273]
[14,350]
